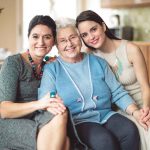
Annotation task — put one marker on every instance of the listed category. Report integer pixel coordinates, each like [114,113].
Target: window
[54,8]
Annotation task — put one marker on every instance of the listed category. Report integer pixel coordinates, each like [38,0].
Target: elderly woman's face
[68,43]
[41,41]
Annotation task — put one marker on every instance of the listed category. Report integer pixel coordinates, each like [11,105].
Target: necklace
[33,66]
[114,62]
[117,67]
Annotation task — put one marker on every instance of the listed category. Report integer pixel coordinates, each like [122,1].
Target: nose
[41,41]
[91,36]
[69,42]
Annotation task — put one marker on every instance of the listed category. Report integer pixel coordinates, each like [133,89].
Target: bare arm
[16,110]
[136,57]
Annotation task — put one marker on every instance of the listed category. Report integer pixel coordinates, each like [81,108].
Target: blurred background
[127,19]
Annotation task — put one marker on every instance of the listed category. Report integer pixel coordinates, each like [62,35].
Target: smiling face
[92,33]
[41,41]
[69,44]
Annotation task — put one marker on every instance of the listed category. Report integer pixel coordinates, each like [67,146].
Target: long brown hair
[90,15]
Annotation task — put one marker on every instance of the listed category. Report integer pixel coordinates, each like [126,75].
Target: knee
[108,142]
[132,131]
[105,141]
[63,118]
[60,120]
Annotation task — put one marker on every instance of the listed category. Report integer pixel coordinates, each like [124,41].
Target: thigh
[18,134]
[96,137]
[125,131]
[22,133]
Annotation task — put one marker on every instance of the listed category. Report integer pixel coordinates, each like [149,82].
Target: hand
[145,112]
[47,102]
[138,116]
[57,106]
[145,117]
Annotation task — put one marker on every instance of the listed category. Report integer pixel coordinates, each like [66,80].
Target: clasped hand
[53,105]
[143,117]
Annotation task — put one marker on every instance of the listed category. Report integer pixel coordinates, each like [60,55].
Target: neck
[74,60]
[36,65]
[37,59]
[108,46]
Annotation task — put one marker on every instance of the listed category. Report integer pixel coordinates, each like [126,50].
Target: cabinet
[124,3]
[145,48]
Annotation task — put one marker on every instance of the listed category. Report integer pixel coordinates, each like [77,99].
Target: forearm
[16,110]
[146,97]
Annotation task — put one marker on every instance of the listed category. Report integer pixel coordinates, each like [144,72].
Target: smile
[94,41]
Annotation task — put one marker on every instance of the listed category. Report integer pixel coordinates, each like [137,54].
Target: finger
[144,126]
[56,100]
[143,115]
[57,111]
[146,118]
[148,123]
[61,110]
[58,105]
[145,110]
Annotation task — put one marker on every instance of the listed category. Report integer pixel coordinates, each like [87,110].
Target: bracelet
[134,111]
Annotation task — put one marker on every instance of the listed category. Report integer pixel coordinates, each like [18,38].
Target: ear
[104,26]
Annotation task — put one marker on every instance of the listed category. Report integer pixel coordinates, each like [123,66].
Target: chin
[41,54]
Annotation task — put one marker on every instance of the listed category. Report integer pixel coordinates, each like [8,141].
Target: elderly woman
[88,88]
[22,125]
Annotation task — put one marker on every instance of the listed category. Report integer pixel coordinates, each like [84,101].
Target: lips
[70,49]
[40,47]
[94,41]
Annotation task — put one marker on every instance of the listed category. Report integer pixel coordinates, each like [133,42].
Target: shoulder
[52,67]
[132,47]
[97,62]
[132,50]
[94,58]
[51,64]
[12,61]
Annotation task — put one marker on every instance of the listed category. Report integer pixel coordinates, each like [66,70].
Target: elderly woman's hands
[57,106]
[53,105]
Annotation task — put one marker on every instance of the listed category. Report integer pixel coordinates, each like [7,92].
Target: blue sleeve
[119,96]
[47,82]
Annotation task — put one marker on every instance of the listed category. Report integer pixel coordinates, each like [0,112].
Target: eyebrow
[43,35]
[93,27]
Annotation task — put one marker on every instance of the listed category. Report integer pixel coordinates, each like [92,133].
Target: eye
[48,37]
[62,41]
[35,36]
[73,37]
[94,29]
[84,35]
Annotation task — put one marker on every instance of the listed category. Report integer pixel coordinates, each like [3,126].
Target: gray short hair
[65,22]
